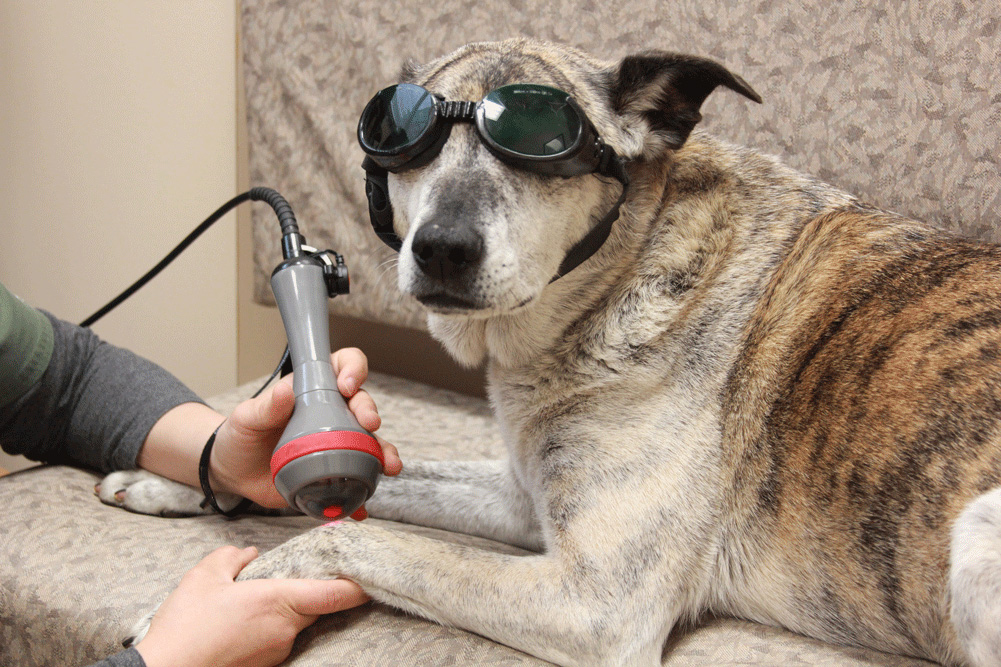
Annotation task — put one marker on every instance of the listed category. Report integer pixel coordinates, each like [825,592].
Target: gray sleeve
[127,658]
[93,406]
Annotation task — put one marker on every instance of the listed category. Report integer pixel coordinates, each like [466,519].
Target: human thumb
[315,597]
[275,407]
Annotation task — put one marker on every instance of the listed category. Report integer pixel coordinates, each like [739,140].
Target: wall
[117,137]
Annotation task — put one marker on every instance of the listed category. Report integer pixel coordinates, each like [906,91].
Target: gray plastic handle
[301,294]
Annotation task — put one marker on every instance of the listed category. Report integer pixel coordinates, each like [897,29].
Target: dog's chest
[629,389]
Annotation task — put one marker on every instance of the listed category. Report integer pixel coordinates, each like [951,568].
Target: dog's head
[483,238]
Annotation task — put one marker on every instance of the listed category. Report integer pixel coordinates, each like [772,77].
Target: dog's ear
[666,91]
[409,71]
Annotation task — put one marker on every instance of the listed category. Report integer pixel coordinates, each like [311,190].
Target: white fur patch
[975,579]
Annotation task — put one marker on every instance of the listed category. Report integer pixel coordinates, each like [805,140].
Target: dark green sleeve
[92,405]
[25,346]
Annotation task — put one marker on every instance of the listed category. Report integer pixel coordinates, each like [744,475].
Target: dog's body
[759,398]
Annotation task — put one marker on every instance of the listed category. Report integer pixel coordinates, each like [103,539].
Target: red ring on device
[321,442]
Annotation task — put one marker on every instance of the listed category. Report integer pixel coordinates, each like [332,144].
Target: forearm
[94,405]
[175,443]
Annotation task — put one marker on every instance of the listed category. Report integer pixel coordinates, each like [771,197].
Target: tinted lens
[396,118]
[531,120]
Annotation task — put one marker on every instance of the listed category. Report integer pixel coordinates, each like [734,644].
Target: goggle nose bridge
[456,111]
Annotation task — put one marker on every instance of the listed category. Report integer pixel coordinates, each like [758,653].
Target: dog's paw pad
[145,493]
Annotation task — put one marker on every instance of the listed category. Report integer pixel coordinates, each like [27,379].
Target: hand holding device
[325,463]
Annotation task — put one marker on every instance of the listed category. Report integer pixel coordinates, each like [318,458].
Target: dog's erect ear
[667,90]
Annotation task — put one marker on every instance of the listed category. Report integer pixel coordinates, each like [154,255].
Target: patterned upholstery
[75,575]
[897,102]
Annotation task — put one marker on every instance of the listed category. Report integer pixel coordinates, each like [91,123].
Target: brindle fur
[761,398]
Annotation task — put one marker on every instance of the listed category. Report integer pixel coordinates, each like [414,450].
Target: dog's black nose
[445,252]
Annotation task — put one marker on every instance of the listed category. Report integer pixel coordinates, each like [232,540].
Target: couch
[897,102]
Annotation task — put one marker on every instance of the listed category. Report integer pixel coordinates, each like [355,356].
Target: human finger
[274,408]
[351,368]
[226,562]
[391,455]
[363,407]
[265,413]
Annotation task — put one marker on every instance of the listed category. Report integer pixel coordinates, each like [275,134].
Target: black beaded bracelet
[203,477]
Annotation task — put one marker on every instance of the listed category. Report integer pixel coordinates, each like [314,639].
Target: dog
[760,397]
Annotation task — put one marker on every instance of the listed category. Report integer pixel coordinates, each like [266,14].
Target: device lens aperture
[530,120]
[396,118]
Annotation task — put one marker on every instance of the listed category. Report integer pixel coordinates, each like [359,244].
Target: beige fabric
[897,102]
[76,574]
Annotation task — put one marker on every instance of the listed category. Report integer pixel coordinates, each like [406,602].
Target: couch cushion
[75,575]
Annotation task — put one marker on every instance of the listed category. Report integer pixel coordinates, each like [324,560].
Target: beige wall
[117,137]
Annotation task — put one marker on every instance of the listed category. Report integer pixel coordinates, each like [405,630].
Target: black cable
[286,219]
[291,239]
[278,369]
[171,256]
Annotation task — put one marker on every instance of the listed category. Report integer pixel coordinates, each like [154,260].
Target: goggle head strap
[610,165]
[380,210]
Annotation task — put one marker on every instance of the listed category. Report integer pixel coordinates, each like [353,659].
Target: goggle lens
[397,117]
[531,120]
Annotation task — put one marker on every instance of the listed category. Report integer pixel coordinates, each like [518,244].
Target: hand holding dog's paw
[210,619]
[146,493]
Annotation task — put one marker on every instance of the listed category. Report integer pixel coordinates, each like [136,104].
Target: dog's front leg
[477,498]
[569,607]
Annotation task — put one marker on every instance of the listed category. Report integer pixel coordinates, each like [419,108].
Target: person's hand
[213,621]
[241,457]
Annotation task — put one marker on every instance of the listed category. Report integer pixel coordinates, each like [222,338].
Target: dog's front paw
[312,555]
[145,493]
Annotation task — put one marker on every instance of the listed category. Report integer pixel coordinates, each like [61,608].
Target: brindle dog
[760,398]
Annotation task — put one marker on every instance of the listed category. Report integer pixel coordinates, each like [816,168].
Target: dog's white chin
[480,299]
[463,337]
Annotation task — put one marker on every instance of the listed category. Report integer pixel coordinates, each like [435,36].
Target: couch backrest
[898,102]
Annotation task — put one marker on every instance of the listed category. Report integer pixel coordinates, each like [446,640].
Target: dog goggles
[529,126]
[532,127]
